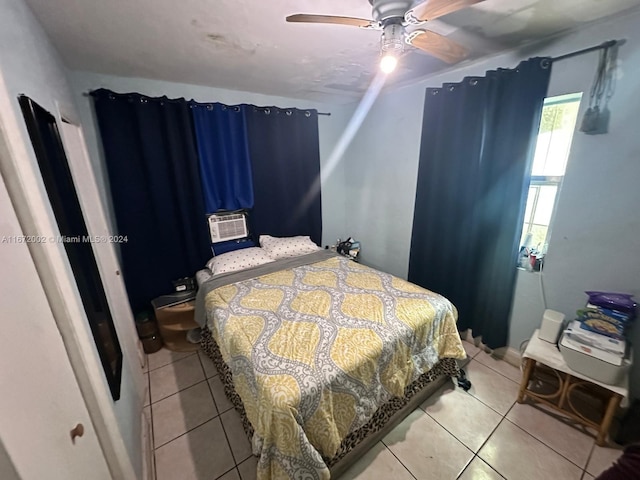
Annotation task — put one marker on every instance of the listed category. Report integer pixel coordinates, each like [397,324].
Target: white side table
[568,382]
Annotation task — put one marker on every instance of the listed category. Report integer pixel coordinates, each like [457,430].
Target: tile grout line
[188,431]
[179,391]
[496,371]
[154,473]
[469,462]
[438,423]
[210,389]
[548,446]
[233,455]
[399,461]
[220,416]
[149,369]
[475,455]
[584,469]
[232,468]
[593,449]
[184,433]
[485,442]
[480,400]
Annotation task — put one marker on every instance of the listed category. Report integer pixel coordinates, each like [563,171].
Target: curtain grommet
[267,111]
[289,113]
[307,114]
[451,88]
[473,82]
[545,63]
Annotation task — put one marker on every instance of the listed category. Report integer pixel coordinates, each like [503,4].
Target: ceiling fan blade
[352,21]
[437,45]
[432,9]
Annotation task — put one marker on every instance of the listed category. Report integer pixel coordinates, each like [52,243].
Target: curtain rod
[88,94]
[609,44]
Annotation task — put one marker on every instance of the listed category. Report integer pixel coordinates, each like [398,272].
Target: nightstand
[175,317]
[548,380]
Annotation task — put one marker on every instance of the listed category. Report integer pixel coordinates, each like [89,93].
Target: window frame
[541,181]
[549,180]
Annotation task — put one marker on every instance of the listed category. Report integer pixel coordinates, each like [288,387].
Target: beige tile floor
[477,435]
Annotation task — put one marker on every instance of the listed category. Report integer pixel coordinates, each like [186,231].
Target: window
[559,115]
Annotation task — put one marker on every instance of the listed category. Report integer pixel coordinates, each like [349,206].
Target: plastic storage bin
[148,333]
[593,367]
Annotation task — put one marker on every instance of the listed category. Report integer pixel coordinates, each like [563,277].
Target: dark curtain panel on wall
[285,160]
[225,166]
[152,163]
[477,146]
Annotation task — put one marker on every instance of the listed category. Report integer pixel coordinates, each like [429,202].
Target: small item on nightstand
[551,326]
[349,248]
[185,284]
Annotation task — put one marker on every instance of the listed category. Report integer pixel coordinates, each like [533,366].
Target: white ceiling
[247,45]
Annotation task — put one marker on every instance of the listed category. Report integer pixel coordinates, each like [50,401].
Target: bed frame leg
[463,381]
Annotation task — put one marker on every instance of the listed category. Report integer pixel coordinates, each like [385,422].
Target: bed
[318,353]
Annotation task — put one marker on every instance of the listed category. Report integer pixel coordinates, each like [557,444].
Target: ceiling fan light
[393,39]
[388,63]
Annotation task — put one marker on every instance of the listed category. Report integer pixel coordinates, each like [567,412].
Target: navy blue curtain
[476,151]
[285,161]
[152,163]
[223,146]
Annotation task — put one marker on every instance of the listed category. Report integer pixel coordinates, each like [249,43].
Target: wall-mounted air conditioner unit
[224,227]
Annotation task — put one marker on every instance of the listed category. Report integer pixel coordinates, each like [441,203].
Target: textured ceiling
[247,45]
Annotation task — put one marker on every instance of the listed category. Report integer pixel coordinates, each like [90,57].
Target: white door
[40,401]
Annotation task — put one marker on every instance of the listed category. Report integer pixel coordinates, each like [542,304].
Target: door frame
[24,184]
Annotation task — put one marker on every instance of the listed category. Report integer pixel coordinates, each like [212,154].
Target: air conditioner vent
[227,227]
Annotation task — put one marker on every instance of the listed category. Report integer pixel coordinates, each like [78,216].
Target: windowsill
[528,271]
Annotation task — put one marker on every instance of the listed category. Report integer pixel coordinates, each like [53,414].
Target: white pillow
[238,260]
[285,247]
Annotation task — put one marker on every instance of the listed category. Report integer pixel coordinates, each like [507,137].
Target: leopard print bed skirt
[445,367]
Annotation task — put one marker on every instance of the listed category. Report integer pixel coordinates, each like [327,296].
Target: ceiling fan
[402,22]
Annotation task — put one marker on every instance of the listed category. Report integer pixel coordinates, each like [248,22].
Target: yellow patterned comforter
[315,350]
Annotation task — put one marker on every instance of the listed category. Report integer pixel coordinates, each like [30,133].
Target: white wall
[40,400]
[596,234]
[30,65]
[330,127]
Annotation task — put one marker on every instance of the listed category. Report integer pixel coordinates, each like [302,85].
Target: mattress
[315,346]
